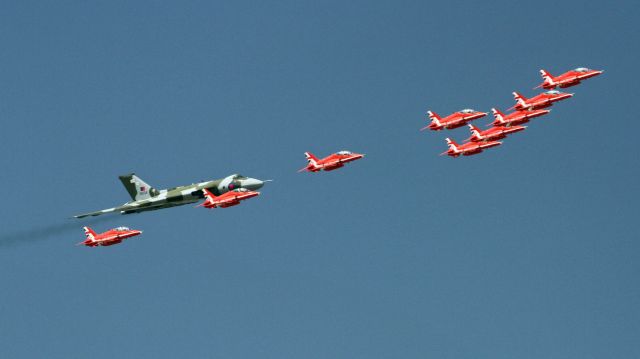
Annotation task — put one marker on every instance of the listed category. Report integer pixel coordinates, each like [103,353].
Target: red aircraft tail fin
[208,197]
[547,77]
[311,158]
[208,194]
[519,99]
[499,117]
[453,145]
[91,235]
[497,114]
[475,132]
[435,118]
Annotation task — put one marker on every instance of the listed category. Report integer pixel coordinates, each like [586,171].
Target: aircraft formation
[233,189]
[219,193]
[507,124]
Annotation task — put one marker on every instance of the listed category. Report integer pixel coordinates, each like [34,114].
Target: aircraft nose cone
[251,183]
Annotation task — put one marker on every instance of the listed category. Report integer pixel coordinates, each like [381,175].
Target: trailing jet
[108,238]
[329,163]
[226,199]
[515,118]
[492,134]
[147,198]
[567,79]
[468,148]
[542,100]
[455,120]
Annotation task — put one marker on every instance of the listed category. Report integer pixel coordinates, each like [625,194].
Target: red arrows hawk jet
[108,238]
[492,134]
[227,199]
[567,79]
[468,148]
[542,100]
[329,163]
[515,118]
[455,120]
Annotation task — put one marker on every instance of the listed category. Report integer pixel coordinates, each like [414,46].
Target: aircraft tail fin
[453,145]
[208,197]
[311,158]
[137,188]
[518,97]
[90,233]
[435,118]
[547,77]
[475,132]
[521,100]
[498,115]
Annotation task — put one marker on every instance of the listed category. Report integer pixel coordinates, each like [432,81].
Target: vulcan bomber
[146,198]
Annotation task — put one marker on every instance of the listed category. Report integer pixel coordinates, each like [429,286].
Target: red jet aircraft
[567,79]
[542,100]
[515,118]
[492,134]
[110,237]
[330,162]
[468,148]
[455,120]
[227,199]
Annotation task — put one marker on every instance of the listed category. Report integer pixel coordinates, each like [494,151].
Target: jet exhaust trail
[46,231]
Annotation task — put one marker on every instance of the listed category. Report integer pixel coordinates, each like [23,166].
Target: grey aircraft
[146,198]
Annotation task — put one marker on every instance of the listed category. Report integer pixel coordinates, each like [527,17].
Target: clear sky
[529,250]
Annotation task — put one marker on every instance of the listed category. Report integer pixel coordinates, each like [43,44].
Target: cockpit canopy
[122,229]
[238,177]
[553,92]
[581,69]
[344,152]
[467,110]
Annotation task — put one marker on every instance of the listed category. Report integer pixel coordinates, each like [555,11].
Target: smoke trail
[47,231]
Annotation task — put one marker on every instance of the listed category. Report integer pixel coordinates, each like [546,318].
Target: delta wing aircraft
[146,198]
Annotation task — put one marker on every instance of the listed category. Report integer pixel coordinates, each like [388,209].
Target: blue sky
[526,251]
